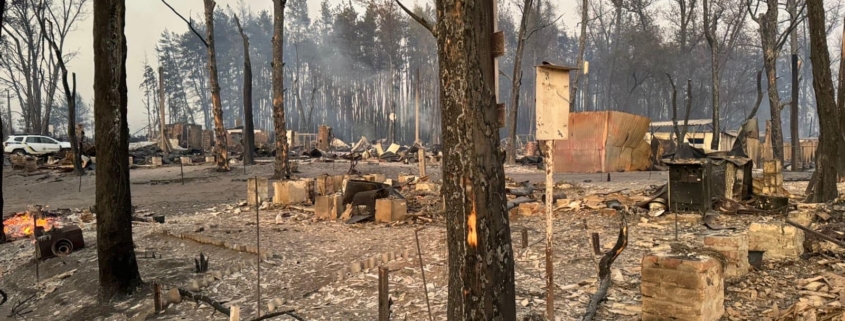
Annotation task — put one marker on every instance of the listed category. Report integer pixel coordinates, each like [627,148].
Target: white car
[34,145]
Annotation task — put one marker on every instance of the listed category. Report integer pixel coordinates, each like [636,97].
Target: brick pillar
[778,240]
[682,288]
[735,249]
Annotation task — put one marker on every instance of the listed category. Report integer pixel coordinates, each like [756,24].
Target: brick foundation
[735,249]
[682,288]
[778,240]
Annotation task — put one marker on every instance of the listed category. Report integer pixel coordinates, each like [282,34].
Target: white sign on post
[552,102]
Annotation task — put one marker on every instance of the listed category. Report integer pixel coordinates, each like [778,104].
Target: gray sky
[145,21]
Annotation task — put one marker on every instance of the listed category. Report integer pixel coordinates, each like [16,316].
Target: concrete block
[338,182]
[378,178]
[291,192]
[735,249]
[186,160]
[389,210]
[778,240]
[530,209]
[262,191]
[428,187]
[328,207]
[682,288]
[209,159]
[156,160]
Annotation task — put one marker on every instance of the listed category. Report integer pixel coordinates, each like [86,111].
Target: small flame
[472,236]
[20,225]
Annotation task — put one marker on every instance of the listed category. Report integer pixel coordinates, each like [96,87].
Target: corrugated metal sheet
[603,141]
[694,122]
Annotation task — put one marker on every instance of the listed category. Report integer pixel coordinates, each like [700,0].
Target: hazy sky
[145,21]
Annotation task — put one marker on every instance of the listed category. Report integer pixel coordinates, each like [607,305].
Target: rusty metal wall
[603,141]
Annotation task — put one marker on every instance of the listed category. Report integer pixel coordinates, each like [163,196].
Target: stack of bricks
[772,177]
[735,249]
[682,288]
[328,207]
[324,185]
[777,240]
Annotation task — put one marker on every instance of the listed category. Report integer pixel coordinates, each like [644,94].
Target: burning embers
[22,225]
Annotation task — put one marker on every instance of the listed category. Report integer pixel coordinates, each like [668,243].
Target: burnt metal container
[690,186]
[58,241]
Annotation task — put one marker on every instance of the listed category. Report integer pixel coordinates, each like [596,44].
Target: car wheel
[19,152]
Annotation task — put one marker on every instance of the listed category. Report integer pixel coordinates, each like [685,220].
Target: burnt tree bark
[118,268]
[3,234]
[481,278]
[216,106]
[710,26]
[249,133]
[797,163]
[517,79]
[281,169]
[840,105]
[582,46]
[824,189]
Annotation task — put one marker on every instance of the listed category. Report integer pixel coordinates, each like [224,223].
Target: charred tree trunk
[840,106]
[797,160]
[71,125]
[710,33]
[3,234]
[481,278]
[115,249]
[829,130]
[281,168]
[165,143]
[768,36]
[517,80]
[677,131]
[249,133]
[216,106]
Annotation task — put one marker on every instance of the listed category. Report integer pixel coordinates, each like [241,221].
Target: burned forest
[516,160]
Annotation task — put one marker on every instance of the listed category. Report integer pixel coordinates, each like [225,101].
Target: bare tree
[2,199]
[772,41]
[517,79]
[249,133]
[582,46]
[830,132]
[797,165]
[711,23]
[29,66]
[115,248]
[481,282]
[216,105]
[281,168]
[70,95]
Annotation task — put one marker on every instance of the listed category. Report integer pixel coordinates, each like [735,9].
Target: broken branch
[604,270]
[281,313]
[817,234]
[190,25]
[431,28]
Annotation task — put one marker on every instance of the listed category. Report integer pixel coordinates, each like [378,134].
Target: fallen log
[817,234]
[604,269]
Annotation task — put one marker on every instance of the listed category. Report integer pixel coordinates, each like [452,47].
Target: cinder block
[291,192]
[428,187]
[735,249]
[389,210]
[778,240]
[156,160]
[209,159]
[771,166]
[262,188]
[186,160]
[338,182]
[378,178]
[328,207]
[682,288]
[325,185]
[530,209]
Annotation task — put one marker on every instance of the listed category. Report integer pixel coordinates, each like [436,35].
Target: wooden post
[383,295]
[257,249]
[235,313]
[524,238]
[550,185]
[596,243]
[421,161]
[157,297]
